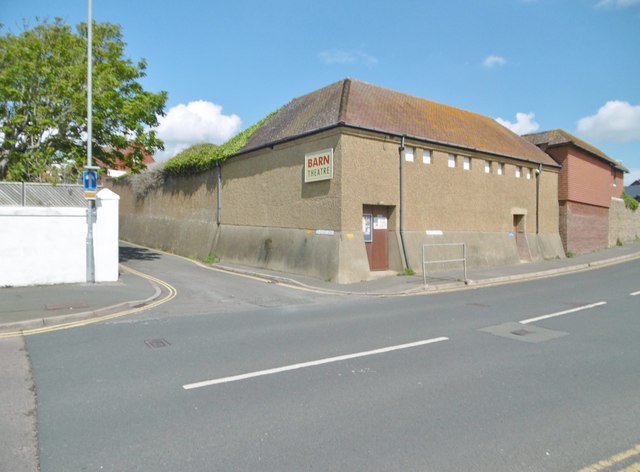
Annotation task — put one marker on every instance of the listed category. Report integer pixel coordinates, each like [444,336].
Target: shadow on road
[128,253]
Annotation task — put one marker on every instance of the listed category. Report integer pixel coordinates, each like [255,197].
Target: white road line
[634,294]
[277,370]
[560,313]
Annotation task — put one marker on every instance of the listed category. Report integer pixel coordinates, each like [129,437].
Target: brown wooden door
[375,224]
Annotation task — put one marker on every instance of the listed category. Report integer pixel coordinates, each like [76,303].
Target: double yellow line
[615,460]
[171,293]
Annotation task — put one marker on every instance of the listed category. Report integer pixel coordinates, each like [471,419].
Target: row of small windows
[452,160]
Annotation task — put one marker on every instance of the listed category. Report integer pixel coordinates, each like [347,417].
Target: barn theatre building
[354,178]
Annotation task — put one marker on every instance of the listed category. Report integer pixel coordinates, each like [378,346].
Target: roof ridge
[344,100]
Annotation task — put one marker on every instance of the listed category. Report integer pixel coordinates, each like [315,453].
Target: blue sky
[535,64]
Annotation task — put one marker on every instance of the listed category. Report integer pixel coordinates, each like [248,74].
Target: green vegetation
[619,242]
[570,254]
[43,101]
[407,271]
[630,202]
[211,259]
[195,161]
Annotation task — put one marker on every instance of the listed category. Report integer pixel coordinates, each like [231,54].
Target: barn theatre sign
[318,165]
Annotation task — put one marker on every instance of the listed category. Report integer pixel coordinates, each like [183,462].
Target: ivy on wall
[201,158]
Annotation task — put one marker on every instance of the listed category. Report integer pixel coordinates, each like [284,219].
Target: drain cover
[154,343]
[516,331]
[521,332]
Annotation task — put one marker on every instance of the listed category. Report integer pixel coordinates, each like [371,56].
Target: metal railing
[463,259]
[41,195]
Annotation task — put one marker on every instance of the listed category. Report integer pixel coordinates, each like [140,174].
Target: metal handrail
[443,261]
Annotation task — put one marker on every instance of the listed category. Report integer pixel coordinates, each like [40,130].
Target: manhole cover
[521,332]
[154,343]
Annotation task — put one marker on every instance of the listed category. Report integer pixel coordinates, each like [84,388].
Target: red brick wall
[583,228]
[584,178]
[589,179]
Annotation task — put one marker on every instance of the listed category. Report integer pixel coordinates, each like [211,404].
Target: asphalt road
[444,382]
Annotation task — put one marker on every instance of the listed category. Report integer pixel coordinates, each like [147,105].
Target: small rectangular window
[408,154]
[426,156]
[500,168]
[518,172]
[451,161]
[466,163]
[528,173]
[487,167]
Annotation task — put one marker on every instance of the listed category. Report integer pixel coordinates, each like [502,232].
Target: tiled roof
[633,189]
[559,137]
[362,105]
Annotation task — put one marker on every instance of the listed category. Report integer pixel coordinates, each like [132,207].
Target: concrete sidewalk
[23,308]
[34,307]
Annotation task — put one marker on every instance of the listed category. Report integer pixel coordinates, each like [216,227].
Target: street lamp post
[90,177]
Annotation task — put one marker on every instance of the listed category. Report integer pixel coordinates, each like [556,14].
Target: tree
[43,101]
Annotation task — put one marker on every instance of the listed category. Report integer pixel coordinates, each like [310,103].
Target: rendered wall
[45,246]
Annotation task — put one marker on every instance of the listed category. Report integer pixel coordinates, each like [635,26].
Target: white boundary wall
[47,245]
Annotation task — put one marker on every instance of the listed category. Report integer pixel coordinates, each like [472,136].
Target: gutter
[219,191]
[405,261]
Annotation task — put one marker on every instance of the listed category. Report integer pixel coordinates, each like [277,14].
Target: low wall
[624,224]
[47,245]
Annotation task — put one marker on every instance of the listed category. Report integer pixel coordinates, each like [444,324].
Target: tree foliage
[43,101]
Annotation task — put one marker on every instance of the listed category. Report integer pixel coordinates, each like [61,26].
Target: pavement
[28,308]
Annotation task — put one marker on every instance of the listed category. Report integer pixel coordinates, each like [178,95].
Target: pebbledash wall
[267,216]
[624,224]
[47,245]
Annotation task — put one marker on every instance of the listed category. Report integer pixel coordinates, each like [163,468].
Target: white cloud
[607,4]
[616,121]
[524,124]
[196,122]
[494,61]
[348,57]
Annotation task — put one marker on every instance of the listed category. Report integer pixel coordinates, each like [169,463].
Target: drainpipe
[404,251]
[219,188]
[538,175]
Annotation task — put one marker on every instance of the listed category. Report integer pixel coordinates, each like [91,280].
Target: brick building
[588,180]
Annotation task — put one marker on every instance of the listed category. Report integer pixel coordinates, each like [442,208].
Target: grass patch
[211,259]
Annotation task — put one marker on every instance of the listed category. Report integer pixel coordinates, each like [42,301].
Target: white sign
[318,166]
[380,222]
